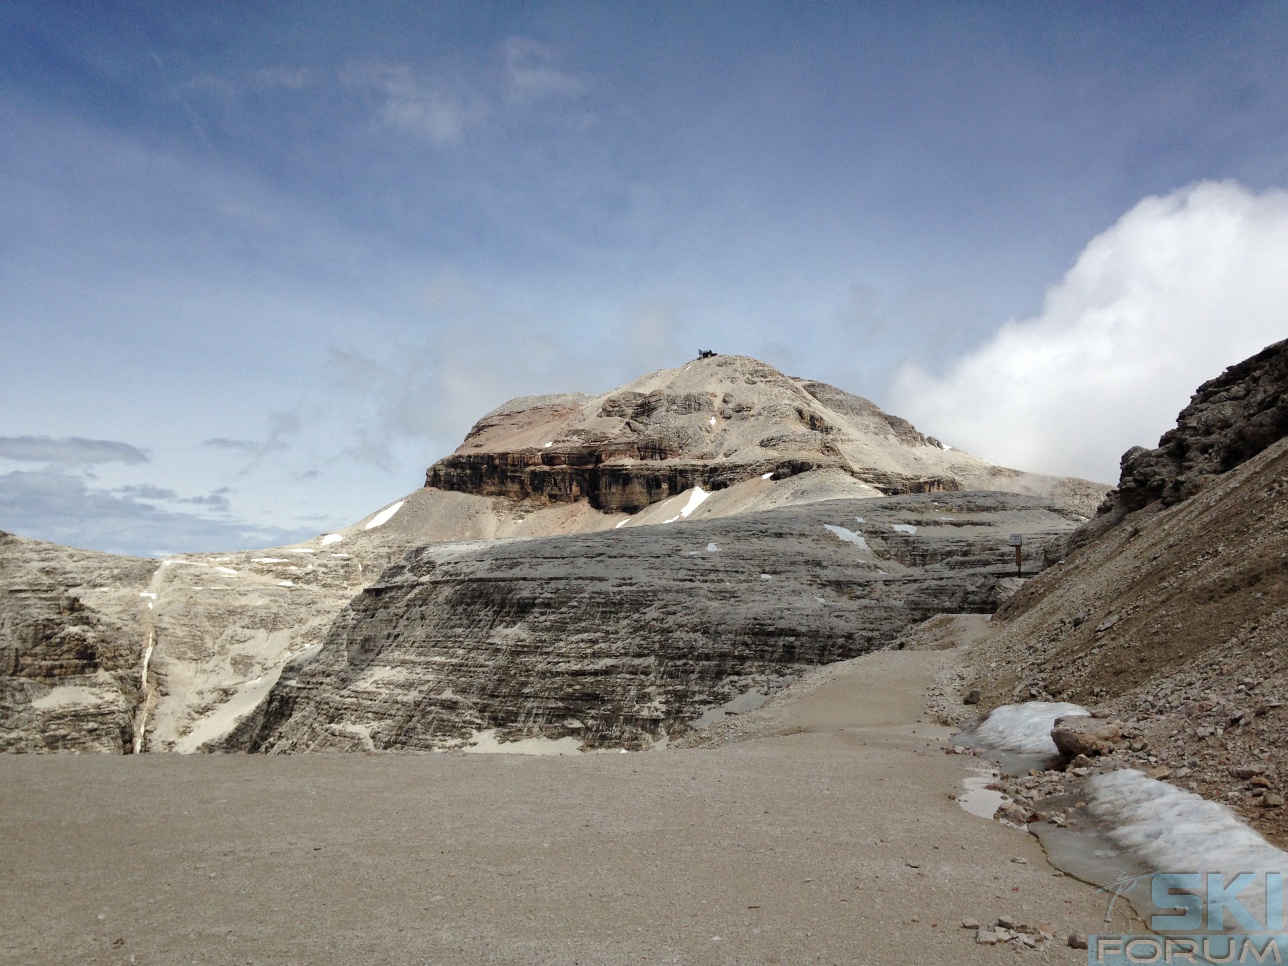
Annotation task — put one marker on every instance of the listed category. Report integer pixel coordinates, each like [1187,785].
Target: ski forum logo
[1202,917]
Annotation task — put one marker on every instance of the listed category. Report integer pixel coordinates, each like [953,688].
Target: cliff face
[69,648]
[623,637]
[712,423]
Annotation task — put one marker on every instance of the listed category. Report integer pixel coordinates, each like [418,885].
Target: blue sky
[262,263]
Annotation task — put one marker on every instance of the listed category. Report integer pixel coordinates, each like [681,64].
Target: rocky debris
[1229,420]
[1019,935]
[713,423]
[633,633]
[1083,735]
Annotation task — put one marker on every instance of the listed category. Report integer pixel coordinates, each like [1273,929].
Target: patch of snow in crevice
[696,497]
[622,523]
[268,560]
[712,421]
[286,583]
[331,538]
[858,520]
[384,516]
[767,476]
[147,593]
[849,536]
[227,570]
[712,548]
[903,528]
[1025,728]
[766,576]
[1177,831]
[306,550]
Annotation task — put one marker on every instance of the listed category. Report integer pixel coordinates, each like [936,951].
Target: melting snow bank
[384,516]
[1025,728]
[1177,831]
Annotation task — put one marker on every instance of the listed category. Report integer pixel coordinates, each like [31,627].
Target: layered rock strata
[623,637]
[70,647]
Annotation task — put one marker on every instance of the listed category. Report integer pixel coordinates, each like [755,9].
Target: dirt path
[827,837]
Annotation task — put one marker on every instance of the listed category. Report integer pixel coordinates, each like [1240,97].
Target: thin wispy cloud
[415,103]
[69,449]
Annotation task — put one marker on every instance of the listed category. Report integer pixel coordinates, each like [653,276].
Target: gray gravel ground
[825,835]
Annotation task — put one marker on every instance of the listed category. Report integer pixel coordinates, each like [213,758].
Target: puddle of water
[979,799]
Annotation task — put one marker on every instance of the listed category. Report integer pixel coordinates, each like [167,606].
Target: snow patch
[696,496]
[1025,728]
[306,550]
[766,576]
[712,548]
[903,528]
[849,536]
[549,444]
[712,421]
[384,516]
[148,594]
[1175,830]
[286,583]
[767,476]
[268,560]
[622,524]
[227,570]
[331,538]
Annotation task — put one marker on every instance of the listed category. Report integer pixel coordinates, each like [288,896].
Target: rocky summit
[591,570]
[717,421]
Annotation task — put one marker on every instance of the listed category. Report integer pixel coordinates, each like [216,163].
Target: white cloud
[1181,287]
[415,103]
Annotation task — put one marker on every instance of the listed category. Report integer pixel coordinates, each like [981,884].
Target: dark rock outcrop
[620,637]
[1229,420]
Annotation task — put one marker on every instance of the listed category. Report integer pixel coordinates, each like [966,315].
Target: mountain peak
[713,422]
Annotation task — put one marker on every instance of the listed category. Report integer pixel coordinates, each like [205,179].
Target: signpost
[1017,541]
